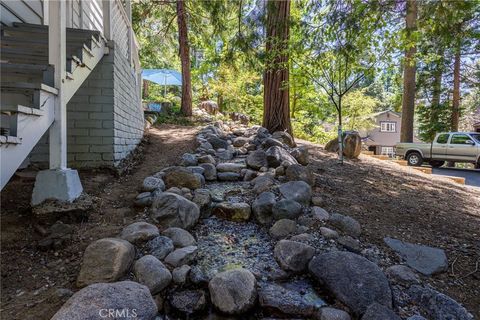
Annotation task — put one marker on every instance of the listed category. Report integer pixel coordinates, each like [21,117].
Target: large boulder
[299,191]
[352,144]
[181,177]
[436,305]
[297,172]
[206,159]
[202,198]
[332,314]
[262,207]
[293,256]
[270,142]
[180,237]
[218,143]
[277,155]
[151,272]
[188,301]
[233,291]
[189,159]
[211,107]
[173,210]
[262,183]
[283,228]
[286,209]
[352,279]
[105,260]
[230,167]
[257,159]
[182,256]
[139,232]
[96,300]
[284,137]
[424,259]
[233,211]
[210,171]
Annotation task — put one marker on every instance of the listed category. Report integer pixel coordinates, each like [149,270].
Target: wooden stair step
[459,180]
[423,169]
[380,156]
[368,153]
[401,162]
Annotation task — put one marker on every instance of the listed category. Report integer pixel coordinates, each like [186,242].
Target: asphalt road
[472,177]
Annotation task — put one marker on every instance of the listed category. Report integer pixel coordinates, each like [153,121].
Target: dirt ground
[388,200]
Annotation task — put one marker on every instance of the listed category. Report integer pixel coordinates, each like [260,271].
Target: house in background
[386,133]
[70,90]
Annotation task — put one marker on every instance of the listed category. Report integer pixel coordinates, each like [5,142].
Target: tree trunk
[456,92]
[408,103]
[436,93]
[276,109]
[220,102]
[186,106]
[145,89]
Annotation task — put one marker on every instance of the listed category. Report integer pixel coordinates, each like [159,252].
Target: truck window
[443,138]
[459,139]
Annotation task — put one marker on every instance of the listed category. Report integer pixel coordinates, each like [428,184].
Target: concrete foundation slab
[62,185]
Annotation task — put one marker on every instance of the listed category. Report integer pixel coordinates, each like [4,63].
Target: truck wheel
[437,163]
[414,159]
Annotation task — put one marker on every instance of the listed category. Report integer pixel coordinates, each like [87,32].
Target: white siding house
[70,90]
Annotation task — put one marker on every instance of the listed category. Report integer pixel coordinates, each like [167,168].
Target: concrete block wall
[104,117]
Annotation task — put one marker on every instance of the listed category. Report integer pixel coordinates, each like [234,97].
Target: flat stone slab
[424,259]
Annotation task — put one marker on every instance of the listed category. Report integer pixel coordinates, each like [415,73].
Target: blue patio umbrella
[163,77]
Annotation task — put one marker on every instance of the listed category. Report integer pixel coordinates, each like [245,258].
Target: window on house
[388,126]
[388,151]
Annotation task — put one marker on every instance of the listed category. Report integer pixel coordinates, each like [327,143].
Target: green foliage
[427,129]
[357,110]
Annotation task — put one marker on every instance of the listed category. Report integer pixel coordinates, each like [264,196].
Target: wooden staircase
[27,80]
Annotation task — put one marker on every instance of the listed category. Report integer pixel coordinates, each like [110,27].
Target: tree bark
[408,102]
[186,106]
[436,93]
[145,89]
[276,109]
[456,92]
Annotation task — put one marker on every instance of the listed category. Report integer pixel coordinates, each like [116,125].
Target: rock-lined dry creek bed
[234,233]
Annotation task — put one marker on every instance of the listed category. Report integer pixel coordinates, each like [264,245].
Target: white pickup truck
[447,146]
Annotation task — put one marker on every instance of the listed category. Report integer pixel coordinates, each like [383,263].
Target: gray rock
[180,237]
[297,172]
[139,232]
[218,143]
[285,138]
[207,159]
[262,183]
[293,256]
[152,184]
[160,247]
[230,167]
[182,256]
[332,314]
[151,272]
[277,155]
[180,274]
[175,190]
[200,178]
[196,169]
[416,317]
[379,312]
[320,214]
[188,160]
[352,279]
[270,142]
[424,259]
[105,260]
[349,243]
[402,274]
[188,301]
[303,237]
[249,175]
[299,191]
[172,210]
[202,199]
[328,233]
[317,201]
[262,207]
[144,199]
[240,141]
[291,299]
[279,171]
[238,211]
[346,224]
[301,155]
[286,209]
[224,154]
[210,172]
[124,295]
[436,305]
[233,291]
[181,177]
[257,159]
[283,228]
[228,176]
